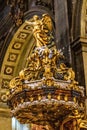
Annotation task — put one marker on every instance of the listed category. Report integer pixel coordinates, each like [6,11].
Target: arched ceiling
[17,52]
[79,18]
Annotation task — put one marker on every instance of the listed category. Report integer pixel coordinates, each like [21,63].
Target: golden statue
[70,75]
[42,29]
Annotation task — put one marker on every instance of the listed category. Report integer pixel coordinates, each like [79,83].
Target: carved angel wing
[47,21]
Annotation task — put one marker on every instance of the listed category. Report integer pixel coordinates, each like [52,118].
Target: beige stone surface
[5,123]
[5,118]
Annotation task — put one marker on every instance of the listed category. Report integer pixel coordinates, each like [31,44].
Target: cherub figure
[42,29]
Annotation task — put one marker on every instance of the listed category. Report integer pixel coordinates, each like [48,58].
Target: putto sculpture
[46,92]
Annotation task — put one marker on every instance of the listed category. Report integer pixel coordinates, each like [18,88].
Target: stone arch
[19,48]
[79,19]
[76,16]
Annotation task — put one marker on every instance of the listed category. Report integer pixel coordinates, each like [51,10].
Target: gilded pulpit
[46,92]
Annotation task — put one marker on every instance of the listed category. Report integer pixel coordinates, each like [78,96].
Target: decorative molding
[20,46]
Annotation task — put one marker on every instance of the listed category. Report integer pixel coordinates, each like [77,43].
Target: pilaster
[79,61]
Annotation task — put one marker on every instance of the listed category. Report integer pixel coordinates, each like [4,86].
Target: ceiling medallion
[46,93]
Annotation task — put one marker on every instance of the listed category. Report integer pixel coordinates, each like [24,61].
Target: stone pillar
[5,119]
[79,55]
[79,61]
[62,26]
[84,54]
[5,123]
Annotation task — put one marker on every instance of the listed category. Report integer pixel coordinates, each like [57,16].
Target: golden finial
[22,100]
[74,99]
[21,74]
[39,97]
[81,104]
[58,97]
[66,98]
[31,98]
[49,96]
